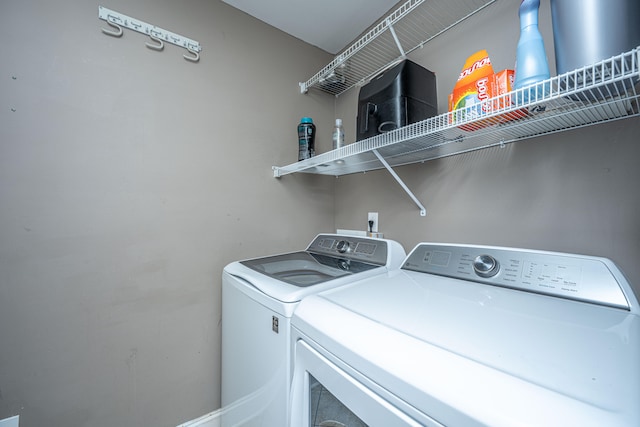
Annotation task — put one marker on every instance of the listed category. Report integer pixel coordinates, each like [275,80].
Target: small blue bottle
[531,59]
[306,139]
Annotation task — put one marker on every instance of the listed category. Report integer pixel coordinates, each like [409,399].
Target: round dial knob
[486,266]
[343,246]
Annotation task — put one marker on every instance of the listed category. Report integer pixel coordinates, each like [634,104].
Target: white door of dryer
[360,399]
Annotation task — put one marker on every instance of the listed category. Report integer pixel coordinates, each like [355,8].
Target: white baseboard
[209,420]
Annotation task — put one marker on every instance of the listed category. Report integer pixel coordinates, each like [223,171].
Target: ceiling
[330,25]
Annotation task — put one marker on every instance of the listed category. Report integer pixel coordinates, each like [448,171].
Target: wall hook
[195,58]
[153,46]
[117,33]
[158,35]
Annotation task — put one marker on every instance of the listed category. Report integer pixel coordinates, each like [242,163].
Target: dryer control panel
[578,277]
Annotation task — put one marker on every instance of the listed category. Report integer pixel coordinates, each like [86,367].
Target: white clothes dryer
[468,336]
[258,299]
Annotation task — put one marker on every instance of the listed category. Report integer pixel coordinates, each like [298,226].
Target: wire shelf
[605,91]
[409,27]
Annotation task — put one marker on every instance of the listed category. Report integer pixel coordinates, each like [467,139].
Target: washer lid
[278,287]
[304,269]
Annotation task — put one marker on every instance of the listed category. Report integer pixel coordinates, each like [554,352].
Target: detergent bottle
[306,139]
[531,59]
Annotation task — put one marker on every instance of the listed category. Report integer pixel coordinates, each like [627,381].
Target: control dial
[343,246]
[486,266]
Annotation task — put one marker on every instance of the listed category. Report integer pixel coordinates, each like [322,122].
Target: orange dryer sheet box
[478,82]
[502,84]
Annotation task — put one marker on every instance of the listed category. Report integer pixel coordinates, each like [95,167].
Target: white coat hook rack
[158,35]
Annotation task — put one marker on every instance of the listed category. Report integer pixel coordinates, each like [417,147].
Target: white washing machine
[470,336]
[258,299]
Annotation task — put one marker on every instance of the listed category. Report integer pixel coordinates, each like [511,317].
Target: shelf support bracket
[423,210]
[396,39]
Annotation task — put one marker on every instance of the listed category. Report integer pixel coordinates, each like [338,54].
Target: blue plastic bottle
[531,59]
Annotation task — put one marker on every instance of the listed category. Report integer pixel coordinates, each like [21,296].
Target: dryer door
[349,401]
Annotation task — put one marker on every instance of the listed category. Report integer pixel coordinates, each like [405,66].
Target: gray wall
[128,179]
[574,191]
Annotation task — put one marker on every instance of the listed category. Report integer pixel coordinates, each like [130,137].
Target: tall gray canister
[589,31]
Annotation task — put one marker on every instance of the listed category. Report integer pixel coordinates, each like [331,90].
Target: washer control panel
[578,277]
[364,249]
